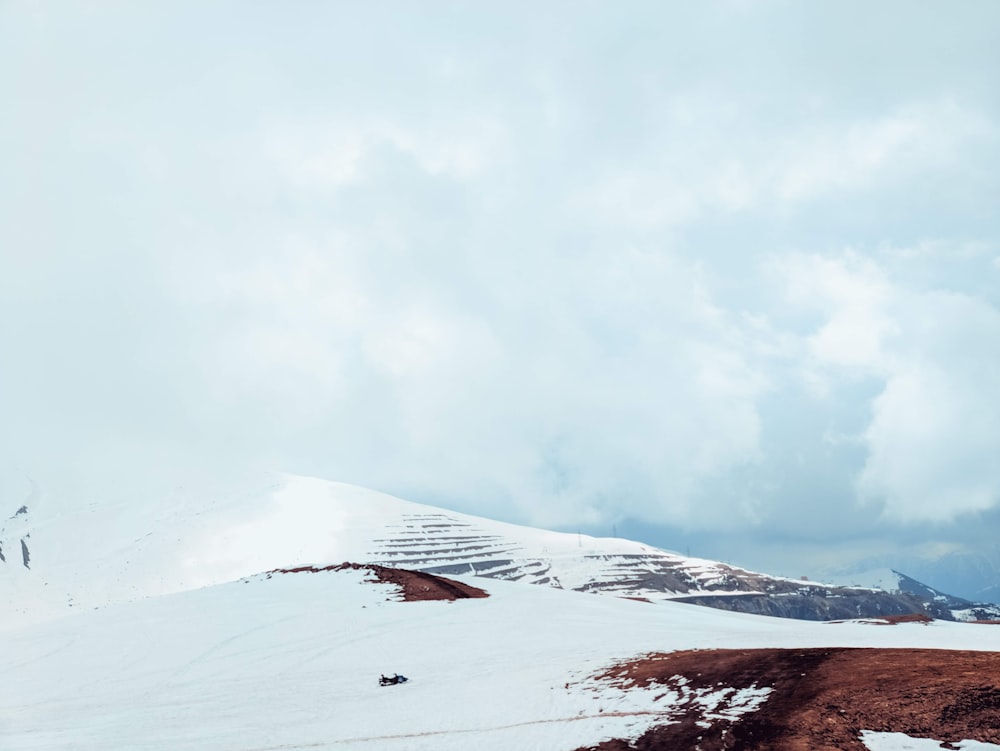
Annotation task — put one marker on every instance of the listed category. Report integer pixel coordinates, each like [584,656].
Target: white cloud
[931,445]
[933,425]
[331,153]
[528,401]
[641,199]
[856,300]
[328,159]
[846,159]
[697,170]
[935,431]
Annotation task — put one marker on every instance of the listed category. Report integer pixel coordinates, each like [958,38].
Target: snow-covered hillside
[103,552]
[292,662]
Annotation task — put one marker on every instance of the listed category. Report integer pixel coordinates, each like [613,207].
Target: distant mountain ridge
[100,554]
[972,575]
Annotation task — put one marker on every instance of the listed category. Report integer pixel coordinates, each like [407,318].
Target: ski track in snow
[468,731]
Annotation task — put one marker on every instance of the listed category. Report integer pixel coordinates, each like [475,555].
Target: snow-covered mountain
[103,553]
[971,575]
[199,625]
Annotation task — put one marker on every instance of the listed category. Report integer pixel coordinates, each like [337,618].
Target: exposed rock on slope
[14,530]
[824,604]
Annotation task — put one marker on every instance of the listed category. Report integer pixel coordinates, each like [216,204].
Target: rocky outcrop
[823,605]
[15,532]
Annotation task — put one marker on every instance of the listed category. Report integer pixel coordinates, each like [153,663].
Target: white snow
[292,662]
[900,742]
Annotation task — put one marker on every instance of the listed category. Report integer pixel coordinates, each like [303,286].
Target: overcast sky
[722,276]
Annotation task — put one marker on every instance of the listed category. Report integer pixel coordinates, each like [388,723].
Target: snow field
[293,662]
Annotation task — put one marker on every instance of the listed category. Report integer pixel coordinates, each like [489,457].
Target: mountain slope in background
[105,553]
[896,582]
[973,576]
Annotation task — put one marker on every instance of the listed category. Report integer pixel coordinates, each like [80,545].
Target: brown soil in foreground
[413,585]
[823,698]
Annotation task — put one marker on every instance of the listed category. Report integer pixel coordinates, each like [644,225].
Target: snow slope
[292,662]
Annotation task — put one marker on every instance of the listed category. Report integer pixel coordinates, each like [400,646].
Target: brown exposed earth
[893,620]
[821,699]
[413,585]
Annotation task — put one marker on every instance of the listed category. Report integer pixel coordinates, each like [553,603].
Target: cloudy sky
[721,276]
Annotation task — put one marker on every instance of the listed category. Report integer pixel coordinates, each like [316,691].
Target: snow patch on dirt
[672,701]
[901,742]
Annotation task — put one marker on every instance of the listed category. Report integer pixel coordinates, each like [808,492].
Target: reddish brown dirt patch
[891,620]
[911,618]
[414,585]
[823,698]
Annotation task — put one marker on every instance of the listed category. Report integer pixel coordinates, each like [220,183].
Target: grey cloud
[564,265]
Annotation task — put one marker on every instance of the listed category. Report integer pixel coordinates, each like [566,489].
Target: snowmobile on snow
[394,680]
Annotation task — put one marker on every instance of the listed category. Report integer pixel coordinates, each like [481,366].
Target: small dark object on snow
[396,678]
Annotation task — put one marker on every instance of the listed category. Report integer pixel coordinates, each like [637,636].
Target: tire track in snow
[36,658]
[172,675]
[460,731]
[373,633]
